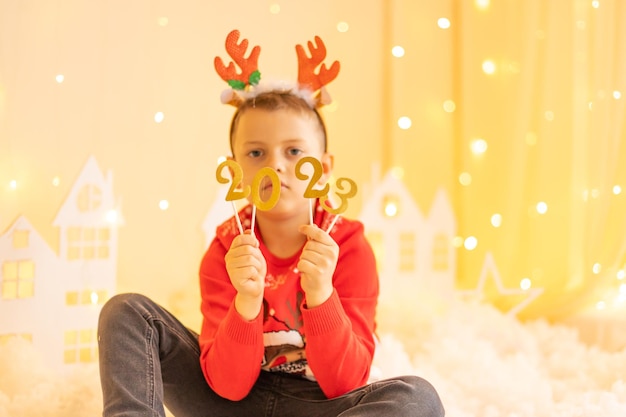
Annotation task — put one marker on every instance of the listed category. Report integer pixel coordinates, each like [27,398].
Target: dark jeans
[148,358]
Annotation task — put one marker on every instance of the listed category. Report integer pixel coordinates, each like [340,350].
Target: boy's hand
[317,265]
[247,268]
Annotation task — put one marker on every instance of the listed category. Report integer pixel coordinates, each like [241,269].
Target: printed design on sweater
[275,281]
[229,228]
[284,344]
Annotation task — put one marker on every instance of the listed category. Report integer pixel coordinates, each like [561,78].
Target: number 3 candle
[343,193]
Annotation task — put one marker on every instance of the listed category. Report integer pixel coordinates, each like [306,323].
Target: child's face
[278,139]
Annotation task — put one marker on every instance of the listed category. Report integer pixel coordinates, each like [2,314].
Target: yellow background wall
[550,113]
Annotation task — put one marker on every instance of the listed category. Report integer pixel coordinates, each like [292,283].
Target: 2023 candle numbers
[346,187]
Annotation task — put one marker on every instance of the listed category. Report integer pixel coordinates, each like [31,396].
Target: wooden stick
[332,224]
[237,217]
[253,218]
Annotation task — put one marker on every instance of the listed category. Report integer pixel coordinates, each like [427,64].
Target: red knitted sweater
[332,343]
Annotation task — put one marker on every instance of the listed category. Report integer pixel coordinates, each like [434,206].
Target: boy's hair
[276,100]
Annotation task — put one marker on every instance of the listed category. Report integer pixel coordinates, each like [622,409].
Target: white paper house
[440,228]
[413,252]
[59,311]
[31,285]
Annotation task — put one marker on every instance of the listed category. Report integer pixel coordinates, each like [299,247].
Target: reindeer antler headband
[245,83]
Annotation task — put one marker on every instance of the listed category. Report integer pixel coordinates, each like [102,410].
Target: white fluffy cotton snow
[487,364]
[28,388]
[482,362]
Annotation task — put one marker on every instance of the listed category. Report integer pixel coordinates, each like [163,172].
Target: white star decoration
[490,269]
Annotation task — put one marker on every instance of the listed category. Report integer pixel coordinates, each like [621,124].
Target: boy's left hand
[317,264]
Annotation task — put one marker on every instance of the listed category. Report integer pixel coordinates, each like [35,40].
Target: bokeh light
[390,206]
[478,146]
[274,8]
[465,178]
[112,216]
[482,4]
[542,207]
[489,67]
[343,27]
[471,242]
[443,23]
[496,220]
[531,138]
[404,122]
[397,51]
[449,106]
[596,268]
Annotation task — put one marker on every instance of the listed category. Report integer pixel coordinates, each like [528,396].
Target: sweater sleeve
[229,344]
[340,332]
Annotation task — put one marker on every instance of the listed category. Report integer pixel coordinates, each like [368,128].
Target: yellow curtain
[526,128]
[542,83]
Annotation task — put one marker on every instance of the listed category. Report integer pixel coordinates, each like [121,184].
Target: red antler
[249,66]
[306,66]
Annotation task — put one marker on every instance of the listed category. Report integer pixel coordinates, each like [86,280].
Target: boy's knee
[424,393]
[117,308]
[419,384]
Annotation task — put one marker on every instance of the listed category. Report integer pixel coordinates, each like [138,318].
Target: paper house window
[88,243]
[86,297]
[391,205]
[18,279]
[407,252]
[21,239]
[80,346]
[89,198]
[441,252]
[376,242]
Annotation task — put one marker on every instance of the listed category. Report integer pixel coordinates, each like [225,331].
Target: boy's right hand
[247,268]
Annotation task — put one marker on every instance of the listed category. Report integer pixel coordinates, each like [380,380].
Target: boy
[288,308]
